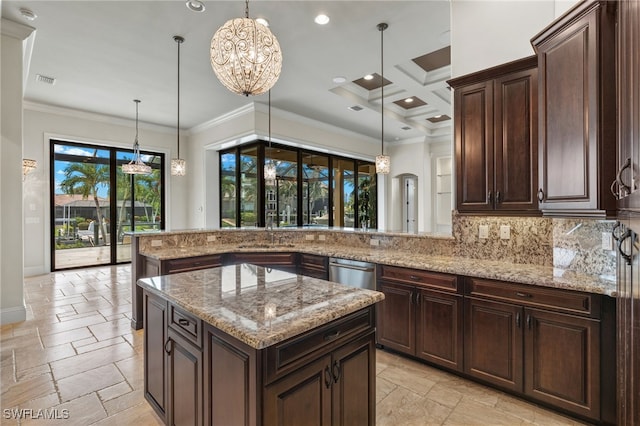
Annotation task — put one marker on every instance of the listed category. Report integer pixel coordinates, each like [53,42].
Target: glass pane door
[80,225]
[315,189]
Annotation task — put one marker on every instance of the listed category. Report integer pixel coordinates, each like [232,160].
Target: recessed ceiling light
[408,100]
[195,5]
[28,14]
[368,77]
[321,19]
[262,21]
[339,80]
[437,116]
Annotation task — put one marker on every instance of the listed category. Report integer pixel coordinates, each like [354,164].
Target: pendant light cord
[270,159]
[381,28]
[246,8]
[179,40]
[136,147]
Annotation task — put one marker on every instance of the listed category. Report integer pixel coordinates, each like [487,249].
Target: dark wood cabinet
[421,315]
[184,386]
[337,389]
[495,120]
[276,260]
[155,360]
[541,342]
[312,265]
[577,109]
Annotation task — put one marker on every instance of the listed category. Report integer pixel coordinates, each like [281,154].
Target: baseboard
[11,315]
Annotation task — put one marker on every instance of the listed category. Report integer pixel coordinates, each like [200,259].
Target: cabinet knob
[540,195]
[183,321]
[167,347]
[327,377]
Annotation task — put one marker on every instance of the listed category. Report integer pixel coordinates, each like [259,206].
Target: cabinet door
[562,361]
[396,317]
[155,338]
[493,342]
[474,146]
[354,395]
[516,141]
[439,328]
[302,397]
[184,382]
[577,112]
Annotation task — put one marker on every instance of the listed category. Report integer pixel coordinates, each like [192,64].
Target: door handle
[616,232]
[336,371]
[529,322]
[518,319]
[498,197]
[167,346]
[327,377]
[540,195]
[622,189]
[625,256]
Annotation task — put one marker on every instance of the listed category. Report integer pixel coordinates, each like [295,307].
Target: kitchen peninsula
[244,344]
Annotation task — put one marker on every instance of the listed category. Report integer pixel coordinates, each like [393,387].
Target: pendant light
[246,56]
[136,166]
[178,165]
[270,166]
[383,162]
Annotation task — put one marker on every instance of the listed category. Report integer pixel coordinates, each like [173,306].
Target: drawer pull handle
[518,319]
[520,294]
[498,201]
[327,377]
[332,336]
[167,347]
[623,238]
[183,321]
[414,277]
[417,298]
[529,322]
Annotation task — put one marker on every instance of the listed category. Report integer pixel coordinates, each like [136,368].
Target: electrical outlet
[483,232]
[374,242]
[309,237]
[156,243]
[322,237]
[607,241]
[505,232]
[211,238]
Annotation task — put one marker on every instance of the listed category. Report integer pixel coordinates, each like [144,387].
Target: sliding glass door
[94,204]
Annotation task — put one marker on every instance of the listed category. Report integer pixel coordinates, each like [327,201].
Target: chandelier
[246,56]
[28,166]
[136,166]
[383,162]
[270,172]
[178,165]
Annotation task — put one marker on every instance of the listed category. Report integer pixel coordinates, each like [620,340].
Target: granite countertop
[545,276]
[257,305]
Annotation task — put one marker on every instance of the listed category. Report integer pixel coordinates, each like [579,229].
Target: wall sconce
[28,166]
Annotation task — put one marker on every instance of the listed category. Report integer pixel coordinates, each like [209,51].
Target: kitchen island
[244,344]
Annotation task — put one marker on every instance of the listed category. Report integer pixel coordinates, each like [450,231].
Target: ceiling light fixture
[368,77]
[28,14]
[339,79]
[246,56]
[270,172]
[136,166]
[195,5]
[408,100]
[178,165]
[321,19]
[383,162]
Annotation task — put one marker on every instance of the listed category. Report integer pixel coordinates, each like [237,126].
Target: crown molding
[14,29]
[214,122]
[92,116]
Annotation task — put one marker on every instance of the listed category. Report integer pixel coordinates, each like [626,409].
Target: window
[94,204]
[310,187]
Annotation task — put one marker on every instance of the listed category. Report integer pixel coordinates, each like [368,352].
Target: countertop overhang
[259,306]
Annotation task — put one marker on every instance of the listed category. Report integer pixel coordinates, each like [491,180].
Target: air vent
[356,108]
[406,128]
[45,79]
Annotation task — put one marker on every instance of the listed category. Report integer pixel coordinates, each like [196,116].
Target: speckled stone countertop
[518,273]
[259,306]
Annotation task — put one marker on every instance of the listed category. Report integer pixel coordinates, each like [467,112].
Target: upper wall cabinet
[577,110]
[495,119]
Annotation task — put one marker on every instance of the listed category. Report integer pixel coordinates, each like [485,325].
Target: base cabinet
[184,362]
[421,315]
[155,360]
[543,343]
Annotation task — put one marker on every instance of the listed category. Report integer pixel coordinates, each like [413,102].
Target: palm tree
[85,179]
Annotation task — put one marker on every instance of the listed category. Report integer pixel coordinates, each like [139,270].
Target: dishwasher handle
[347,266]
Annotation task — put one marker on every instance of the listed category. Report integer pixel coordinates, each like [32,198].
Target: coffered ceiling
[103,54]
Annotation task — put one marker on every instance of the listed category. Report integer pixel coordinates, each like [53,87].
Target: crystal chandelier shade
[136,166]
[246,56]
[383,162]
[178,165]
[28,166]
[270,172]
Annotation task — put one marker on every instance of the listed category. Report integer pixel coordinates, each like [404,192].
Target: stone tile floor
[76,358]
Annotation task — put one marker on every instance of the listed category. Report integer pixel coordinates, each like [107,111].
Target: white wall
[42,123]
[489,33]
[12,306]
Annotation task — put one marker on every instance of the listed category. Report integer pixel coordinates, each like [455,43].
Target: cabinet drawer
[436,280]
[265,259]
[528,295]
[297,351]
[186,324]
[311,261]
[192,263]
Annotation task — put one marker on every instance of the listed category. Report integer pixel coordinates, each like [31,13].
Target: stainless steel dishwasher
[352,273]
